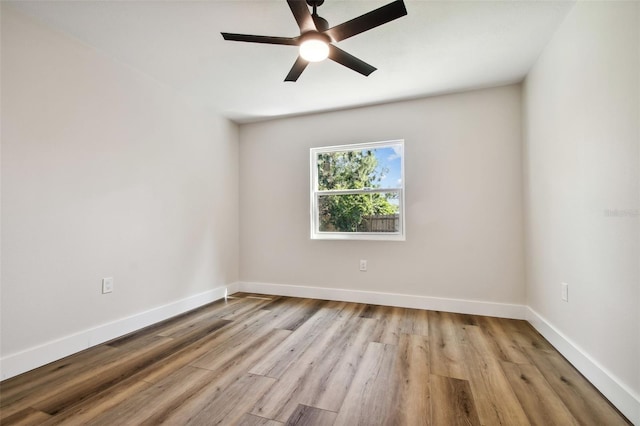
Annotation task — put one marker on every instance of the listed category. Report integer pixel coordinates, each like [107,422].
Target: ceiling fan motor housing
[321,23]
[314,35]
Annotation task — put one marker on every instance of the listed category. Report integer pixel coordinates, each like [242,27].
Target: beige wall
[463,200]
[105,172]
[582,187]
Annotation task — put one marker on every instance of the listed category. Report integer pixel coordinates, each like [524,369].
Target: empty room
[320,212]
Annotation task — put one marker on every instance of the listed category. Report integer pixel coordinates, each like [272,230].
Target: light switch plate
[107,285]
[565,292]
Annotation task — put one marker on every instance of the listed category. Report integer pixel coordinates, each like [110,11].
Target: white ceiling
[439,47]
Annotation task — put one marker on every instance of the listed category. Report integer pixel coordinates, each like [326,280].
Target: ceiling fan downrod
[319,21]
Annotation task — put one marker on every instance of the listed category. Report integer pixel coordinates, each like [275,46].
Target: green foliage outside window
[348,170]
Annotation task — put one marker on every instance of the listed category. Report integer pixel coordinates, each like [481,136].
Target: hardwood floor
[262,360]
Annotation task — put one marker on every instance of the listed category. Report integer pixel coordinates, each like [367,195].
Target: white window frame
[316,234]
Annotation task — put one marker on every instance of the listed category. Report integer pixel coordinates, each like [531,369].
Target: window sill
[357,236]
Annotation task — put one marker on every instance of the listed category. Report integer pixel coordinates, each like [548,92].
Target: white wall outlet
[363,265]
[565,292]
[107,285]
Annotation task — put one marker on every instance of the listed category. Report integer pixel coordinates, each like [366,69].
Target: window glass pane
[370,212]
[363,168]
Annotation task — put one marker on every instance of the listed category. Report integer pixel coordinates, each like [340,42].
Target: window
[357,191]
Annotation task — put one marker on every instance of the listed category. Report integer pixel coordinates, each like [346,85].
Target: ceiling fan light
[314,50]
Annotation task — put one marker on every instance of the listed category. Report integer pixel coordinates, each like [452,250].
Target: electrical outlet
[565,292]
[363,265]
[107,285]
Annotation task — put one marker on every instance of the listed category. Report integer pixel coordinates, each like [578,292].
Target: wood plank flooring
[269,360]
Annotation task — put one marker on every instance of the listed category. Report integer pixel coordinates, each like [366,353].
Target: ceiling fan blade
[368,21]
[350,61]
[292,41]
[297,69]
[303,17]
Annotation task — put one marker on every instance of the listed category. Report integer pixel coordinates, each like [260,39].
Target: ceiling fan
[316,38]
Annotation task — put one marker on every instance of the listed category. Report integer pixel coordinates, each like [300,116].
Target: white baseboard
[18,363]
[473,307]
[611,387]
